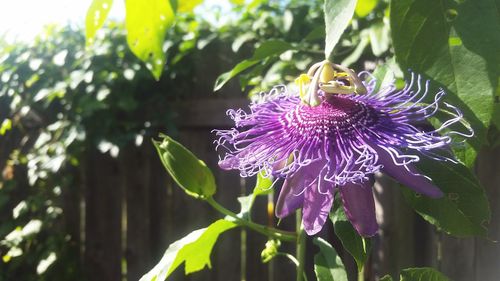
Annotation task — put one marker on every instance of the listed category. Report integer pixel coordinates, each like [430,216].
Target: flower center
[338,115]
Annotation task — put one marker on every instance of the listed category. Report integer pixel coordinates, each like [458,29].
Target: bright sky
[23,19]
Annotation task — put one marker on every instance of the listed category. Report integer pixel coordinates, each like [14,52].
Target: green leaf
[6,126]
[466,154]
[96,15]
[358,51]
[365,7]
[327,265]
[238,2]
[225,77]
[194,249]
[464,209]
[456,44]
[271,48]
[190,173]
[317,33]
[338,14]
[146,29]
[246,203]
[384,77]
[263,186]
[386,278]
[265,50]
[496,107]
[350,238]
[424,273]
[186,6]
[379,38]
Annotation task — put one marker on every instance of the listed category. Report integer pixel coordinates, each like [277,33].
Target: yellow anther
[301,81]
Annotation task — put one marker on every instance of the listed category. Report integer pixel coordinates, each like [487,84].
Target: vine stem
[301,248]
[269,231]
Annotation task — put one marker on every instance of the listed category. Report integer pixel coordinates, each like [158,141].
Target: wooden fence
[125,211]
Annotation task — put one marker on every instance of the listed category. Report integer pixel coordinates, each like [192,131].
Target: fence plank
[487,251]
[102,218]
[136,171]
[393,247]
[456,257]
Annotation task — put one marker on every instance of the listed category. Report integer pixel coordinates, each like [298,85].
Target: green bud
[189,172]
[270,251]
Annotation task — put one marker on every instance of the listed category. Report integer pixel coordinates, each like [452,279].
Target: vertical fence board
[393,247]
[487,261]
[136,171]
[103,218]
[457,257]
[160,209]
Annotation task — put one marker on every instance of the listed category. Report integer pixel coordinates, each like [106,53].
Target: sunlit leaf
[350,238]
[456,44]
[194,250]
[185,6]
[315,34]
[365,7]
[238,2]
[327,265]
[225,77]
[246,203]
[358,51]
[190,173]
[271,48]
[384,77]
[147,25]
[96,15]
[379,38]
[265,50]
[424,273]
[6,126]
[338,14]
[464,209]
[263,185]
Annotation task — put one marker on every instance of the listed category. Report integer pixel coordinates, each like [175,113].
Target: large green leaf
[424,273]
[350,238]
[338,14]
[327,265]
[455,43]
[264,51]
[464,209]
[194,249]
[96,15]
[190,173]
[496,114]
[147,24]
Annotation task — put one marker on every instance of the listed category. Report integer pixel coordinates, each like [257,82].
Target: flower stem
[290,257]
[301,248]
[269,231]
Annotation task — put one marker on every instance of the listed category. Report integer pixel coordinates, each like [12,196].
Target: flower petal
[318,202]
[290,197]
[292,192]
[359,206]
[409,176]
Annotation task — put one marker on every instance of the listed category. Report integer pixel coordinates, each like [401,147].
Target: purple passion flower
[337,145]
